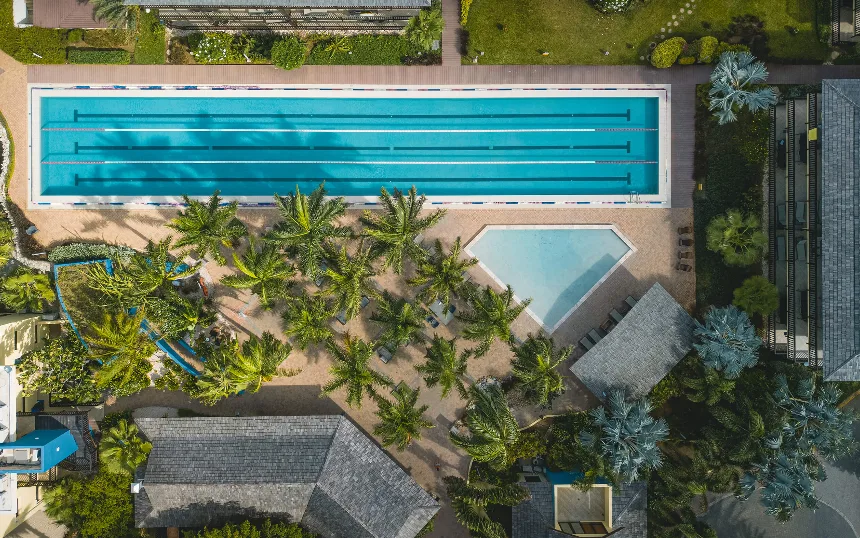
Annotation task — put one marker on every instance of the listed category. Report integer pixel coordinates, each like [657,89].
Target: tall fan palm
[402,420]
[425,28]
[394,230]
[736,83]
[352,370]
[259,361]
[151,270]
[727,342]
[113,12]
[491,317]
[121,449]
[307,318]
[470,499]
[26,290]
[534,367]
[493,430]
[349,279]
[216,381]
[444,367]
[402,323]
[739,239]
[208,227]
[444,274]
[124,351]
[308,227]
[264,272]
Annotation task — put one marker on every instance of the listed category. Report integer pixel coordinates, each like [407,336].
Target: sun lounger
[319,280]
[614,314]
[780,248]
[365,300]
[684,255]
[780,215]
[630,301]
[685,242]
[800,212]
[683,267]
[586,343]
[607,325]
[594,335]
[801,250]
[341,317]
[685,230]
[384,354]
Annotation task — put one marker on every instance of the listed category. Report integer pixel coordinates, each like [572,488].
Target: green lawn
[573,32]
[81,304]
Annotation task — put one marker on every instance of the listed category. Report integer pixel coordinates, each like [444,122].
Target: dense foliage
[26,291]
[739,238]
[62,368]
[727,341]
[96,507]
[99,56]
[150,39]
[738,83]
[666,53]
[246,529]
[288,53]
[757,296]
[122,450]
[493,429]
[80,252]
[425,28]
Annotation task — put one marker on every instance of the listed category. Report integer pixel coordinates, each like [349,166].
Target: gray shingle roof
[840,230]
[281,3]
[319,470]
[641,349]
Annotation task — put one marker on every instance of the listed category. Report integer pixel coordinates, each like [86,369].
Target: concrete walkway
[451,34]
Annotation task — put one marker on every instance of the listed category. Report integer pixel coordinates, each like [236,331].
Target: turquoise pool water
[254,146]
[556,267]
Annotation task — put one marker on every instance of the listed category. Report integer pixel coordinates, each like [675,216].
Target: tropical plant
[493,430]
[352,370]
[306,319]
[217,382]
[123,350]
[288,53]
[7,248]
[401,420]
[394,230]
[151,270]
[534,369]
[248,529]
[208,227]
[739,239]
[308,227]
[757,295]
[727,342]
[264,272]
[175,315]
[425,28]
[62,369]
[258,361]
[444,367]
[786,481]
[702,384]
[338,45]
[116,290]
[626,435]
[442,274]
[491,317]
[402,322]
[27,290]
[565,450]
[470,500]
[348,279]
[122,450]
[736,83]
[113,12]
[93,507]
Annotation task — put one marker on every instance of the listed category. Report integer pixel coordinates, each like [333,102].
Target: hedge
[30,45]
[99,56]
[368,50]
[288,53]
[151,44]
[106,39]
[708,49]
[666,53]
[464,11]
[84,252]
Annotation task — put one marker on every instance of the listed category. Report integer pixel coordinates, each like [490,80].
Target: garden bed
[78,301]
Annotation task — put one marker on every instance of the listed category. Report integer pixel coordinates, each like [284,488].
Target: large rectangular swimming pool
[155,145]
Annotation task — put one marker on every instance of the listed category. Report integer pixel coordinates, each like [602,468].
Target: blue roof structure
[54,446]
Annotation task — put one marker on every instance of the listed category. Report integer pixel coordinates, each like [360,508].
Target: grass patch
[366,50]
[150,43]
[30,45]
[107,39]
[730,162]
[81,303]
[99,56]
[11,167]
[573,32]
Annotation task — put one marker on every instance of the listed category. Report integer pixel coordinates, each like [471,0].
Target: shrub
[757,296]
[98,56]
[151,45]
[75,36]
[728,47]
[611,6]
[212,48]
[464,11]
[82,252]
[288,53]
[708,49]
[106,39]
[96,507]
[666,53]
[737,237]
[425,28]
[687,60]
[371,50]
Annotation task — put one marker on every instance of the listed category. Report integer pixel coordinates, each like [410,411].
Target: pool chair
[586,343]
[630,301]
[384,354]
[780,215]
[341,317]
[800,212]
[780,248]
[614,314]
[365,300]
[594,335]
[685,230]
[685,242]
[683,267]
[801,250]
[319,280]
[684,255]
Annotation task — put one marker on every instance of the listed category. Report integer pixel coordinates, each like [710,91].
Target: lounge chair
[594,335]
[780,215]
[685,242]
[614,314]
[607,325]
[630,301]
[341,317]
[780,248]
[801,250]
[365,300]
[683,267]
[319,280]
[800,212]
[685,230]
[684,255]
[384,354]
[586,343]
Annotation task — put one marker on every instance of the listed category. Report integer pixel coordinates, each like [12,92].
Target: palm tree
[349,279]
[470,499]
[208,227]
[175,315]
[627,436]
[308,227]
[443,274]
[113,12]
[727,342]
[123,350]
[736,83]
[402,421]
[493,430]
[27,290]
[534,368]
[706,385]
[264,272]
[258,361]
[352,370]
[491,317]
[403,324]
[739,239]
[151,270]
[307,318]
[425,28]
[445,367]
[116,289]
[216,381]
[121,449]
[787,483]
[394,230]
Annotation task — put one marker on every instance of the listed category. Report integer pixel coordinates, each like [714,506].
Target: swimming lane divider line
[358,163]
[625,115]
[257,180]
[382,131]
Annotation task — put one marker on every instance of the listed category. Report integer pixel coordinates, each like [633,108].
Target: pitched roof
[641,349]
[85,458]
[280,3]
[318,470]
[65,14]
[840,230]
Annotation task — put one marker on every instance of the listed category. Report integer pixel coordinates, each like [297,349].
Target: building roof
[535,517]
[65,14]
[281,3]
[318,470]
[85,458]
[639,352]
[840,230]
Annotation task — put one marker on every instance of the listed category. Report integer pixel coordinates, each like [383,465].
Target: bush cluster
[704,51]
[611,6]
[372,50]
[99,56]
[288,53]
[213,48]
[666,53]
[82,252]
[75,36]
[106,39]
[150,41]
[464,11]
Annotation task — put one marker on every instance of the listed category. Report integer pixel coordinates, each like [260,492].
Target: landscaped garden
[575,32]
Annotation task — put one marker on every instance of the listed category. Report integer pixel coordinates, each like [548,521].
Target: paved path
[451,34]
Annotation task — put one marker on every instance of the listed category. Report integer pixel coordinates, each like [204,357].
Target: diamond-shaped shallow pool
[557,266]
